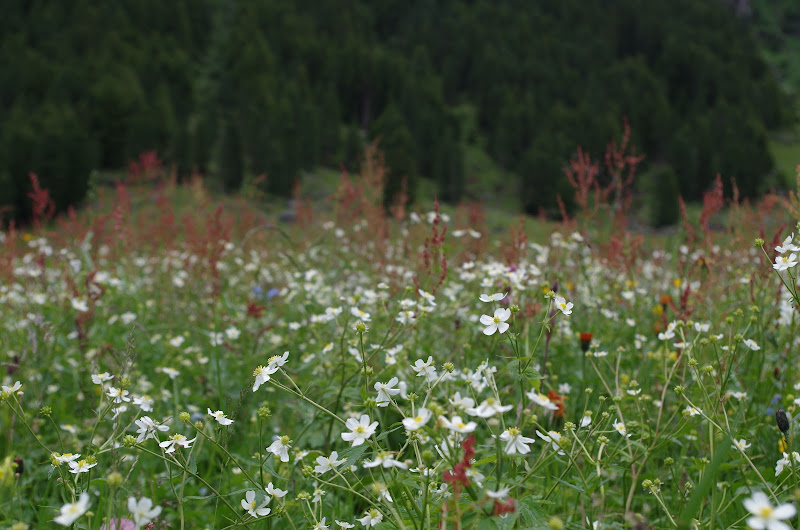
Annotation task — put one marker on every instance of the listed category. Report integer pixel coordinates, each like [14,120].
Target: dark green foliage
[297,85]
[397,144]
[664,194]
[230,166]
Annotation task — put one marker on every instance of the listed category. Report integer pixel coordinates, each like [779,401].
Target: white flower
[144,402]
[783,462]
[541,399]
[318,494]
[71,511]
[499,494]
[427,296]
[13,388]
[280,448]
[496,297]
[142,511]
[692,411]
[176,440]
[458,425]
[785,262]
[177,342]
[220,417]
[496,323]
[418,421]
[81,466]
[425,369]
[488,408]
[249,504]
[765,516]
[172,373]
[277,361]
[462,403]
[405,317]
[387,460]
[620,428]
[117,395]
[360,430]
[147,428]
[515,442]
[787,245]
[386,391]
[79,304]
[363,316]
[371,518]
[321,525]
[325,464]
[66,457]
[344,524]
[99,379]
[232,333]
[275,492]
[741,444]
[553,437]
[750,343]
[262,374]
[562,305]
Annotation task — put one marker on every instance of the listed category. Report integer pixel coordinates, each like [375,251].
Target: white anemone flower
[254,509]
[71,511]
[765,516]
[497,323]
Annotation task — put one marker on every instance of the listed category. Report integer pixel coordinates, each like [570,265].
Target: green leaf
[700,493]
[519,372]
[531,515]
[353,454]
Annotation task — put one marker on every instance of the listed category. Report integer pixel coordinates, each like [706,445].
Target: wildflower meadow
[175,360]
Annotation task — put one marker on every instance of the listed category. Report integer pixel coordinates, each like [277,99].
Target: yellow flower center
[765,511]
[359,429]
[273,359]
[418,419]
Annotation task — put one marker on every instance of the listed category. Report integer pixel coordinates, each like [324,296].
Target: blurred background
[478,100]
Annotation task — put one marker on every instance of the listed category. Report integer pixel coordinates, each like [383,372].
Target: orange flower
[558,400]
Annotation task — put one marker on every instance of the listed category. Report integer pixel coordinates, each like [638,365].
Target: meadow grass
[175,360]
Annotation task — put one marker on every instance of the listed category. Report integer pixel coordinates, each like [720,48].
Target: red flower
[504,506]
[469,449]
[254,310]
[458,476]
[586,339]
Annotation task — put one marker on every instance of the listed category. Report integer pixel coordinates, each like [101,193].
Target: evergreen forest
[239,88]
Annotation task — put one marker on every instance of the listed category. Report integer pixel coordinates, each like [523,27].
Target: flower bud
[782,421]
[114,479]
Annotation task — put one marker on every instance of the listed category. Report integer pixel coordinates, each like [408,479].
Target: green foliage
[663,197]
[231,164]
